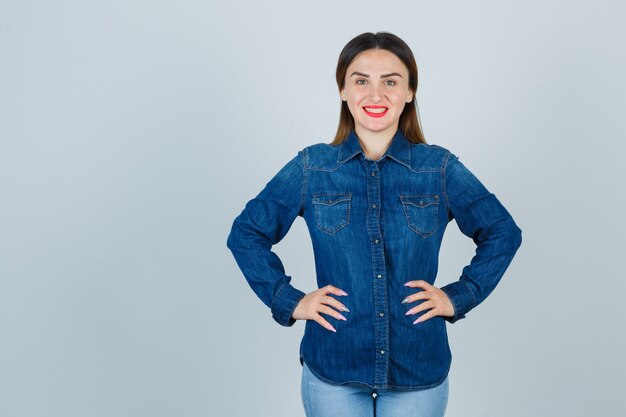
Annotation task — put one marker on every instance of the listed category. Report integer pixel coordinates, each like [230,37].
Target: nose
[376,91]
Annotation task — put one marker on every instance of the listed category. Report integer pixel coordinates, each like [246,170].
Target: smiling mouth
[375,111]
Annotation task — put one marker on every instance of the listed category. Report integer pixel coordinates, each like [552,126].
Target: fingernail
[408,313]
[333,329]
[406,300]
[344,308]
[342,292]
[406,283]
[341,316]
[418,320]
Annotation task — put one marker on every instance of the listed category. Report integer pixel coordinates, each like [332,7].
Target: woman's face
[376,90]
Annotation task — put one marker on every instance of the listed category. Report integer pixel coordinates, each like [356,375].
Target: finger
[335,303]
[424,317]
[424,306]
[324,323]
[331,288]
[422,295]
[327,310]
[420,283]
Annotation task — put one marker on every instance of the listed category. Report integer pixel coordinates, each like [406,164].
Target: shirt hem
[377,386]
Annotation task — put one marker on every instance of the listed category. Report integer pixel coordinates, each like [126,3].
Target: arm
[264,221]
[481,217]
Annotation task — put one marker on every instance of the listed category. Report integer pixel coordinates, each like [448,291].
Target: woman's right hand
[318,301]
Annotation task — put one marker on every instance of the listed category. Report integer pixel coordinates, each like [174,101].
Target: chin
[376,128]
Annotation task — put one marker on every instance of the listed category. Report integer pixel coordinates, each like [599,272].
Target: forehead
[373,61]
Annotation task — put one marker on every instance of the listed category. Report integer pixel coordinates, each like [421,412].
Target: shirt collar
[399,149]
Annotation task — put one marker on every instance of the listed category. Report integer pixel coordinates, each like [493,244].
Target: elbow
[232,239]
[243,236]
[514,237]
[517,236]
[506,235]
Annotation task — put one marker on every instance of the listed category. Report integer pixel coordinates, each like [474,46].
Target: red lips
[375,114]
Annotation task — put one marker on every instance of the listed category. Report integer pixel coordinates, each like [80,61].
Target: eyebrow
[382,76]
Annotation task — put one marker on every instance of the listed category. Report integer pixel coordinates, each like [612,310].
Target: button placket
[381,324]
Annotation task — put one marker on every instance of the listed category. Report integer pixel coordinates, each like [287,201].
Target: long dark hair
[408,122]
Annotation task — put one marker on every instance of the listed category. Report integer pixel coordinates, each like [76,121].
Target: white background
[133,132]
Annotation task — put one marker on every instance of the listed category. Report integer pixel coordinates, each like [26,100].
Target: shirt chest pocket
[421,212]
[332,211]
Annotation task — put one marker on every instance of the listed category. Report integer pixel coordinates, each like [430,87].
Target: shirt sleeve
[264,221]
[481,217]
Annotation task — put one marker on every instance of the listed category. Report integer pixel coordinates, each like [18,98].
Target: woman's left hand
[435,299]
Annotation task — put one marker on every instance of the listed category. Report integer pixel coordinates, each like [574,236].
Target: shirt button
[373,174]
[382,352]
[381,314]
[373,205]
[379,276]
[376,240]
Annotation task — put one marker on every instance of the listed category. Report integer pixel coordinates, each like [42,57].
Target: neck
[375,144]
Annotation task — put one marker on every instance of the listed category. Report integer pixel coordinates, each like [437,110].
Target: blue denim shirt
[375,225]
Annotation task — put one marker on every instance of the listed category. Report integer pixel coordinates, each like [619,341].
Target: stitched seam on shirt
[303,181]
[443,175]
[471,292]
[277,292]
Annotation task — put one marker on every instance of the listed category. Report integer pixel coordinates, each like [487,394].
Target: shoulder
[321,149]
[429,156]
[431,148]
[320,156]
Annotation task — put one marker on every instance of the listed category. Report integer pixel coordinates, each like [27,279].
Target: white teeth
[378,110]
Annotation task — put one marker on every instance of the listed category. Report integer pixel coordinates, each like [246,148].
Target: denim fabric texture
[375,225]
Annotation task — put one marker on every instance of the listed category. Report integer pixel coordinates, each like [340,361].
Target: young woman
[376,202]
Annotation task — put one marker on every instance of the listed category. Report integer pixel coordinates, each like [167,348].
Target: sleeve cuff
[284,303]
[462,299]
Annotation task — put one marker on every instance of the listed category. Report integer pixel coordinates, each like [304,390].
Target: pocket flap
[331,199]
[420,200]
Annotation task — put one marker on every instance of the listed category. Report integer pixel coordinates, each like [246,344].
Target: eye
[390,82]
[358,82]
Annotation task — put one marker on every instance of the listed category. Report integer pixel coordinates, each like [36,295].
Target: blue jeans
[321,399]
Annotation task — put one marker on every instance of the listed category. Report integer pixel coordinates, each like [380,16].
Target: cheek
[354,102]
[399,98]
[356,98]
[355,109]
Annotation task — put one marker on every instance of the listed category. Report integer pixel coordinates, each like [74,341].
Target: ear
[342,94]
[409,96]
